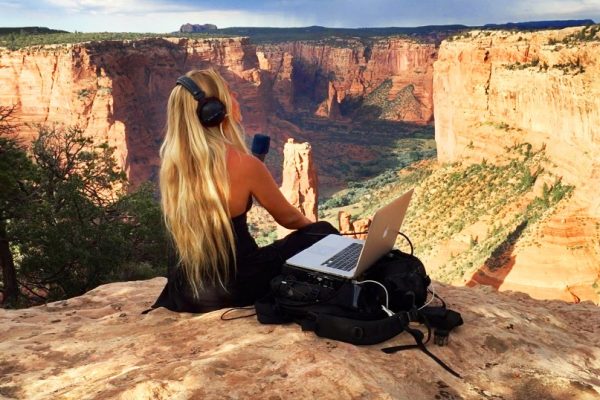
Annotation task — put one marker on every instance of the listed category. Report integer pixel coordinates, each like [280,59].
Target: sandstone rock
[356,70]
[98,346]
[347,226]
[344,223]
[300,183]
[496,89]
[117,90]
[362,225]
[330,107]
[279,66]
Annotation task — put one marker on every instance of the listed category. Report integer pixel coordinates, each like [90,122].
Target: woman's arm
[265,190]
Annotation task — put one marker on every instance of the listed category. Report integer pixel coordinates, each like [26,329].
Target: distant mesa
[195,28]
[34,30]
[541,24]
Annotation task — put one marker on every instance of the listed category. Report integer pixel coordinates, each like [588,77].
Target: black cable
[409,242]
[238,317]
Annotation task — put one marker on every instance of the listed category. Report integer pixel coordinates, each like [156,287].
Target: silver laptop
[347,257]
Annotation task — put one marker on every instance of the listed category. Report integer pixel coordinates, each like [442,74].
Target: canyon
[516,126]
[495,90]
[486,91]
[116,91]
[329,73]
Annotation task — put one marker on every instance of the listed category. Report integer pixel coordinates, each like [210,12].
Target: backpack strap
[418,336]
[441,317]
[321,320]
[442,320]
[355,331]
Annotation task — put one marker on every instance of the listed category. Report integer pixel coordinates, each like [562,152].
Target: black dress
[256,266]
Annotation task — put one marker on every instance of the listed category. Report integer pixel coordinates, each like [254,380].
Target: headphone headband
[191,86]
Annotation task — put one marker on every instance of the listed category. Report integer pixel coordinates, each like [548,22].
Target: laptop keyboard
[346,259]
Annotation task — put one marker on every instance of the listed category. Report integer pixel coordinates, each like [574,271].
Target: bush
[80,227]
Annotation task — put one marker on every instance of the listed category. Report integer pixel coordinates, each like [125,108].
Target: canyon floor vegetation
[484,207]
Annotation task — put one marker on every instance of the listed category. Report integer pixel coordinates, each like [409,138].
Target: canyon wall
[493,90]
[117,90]
[355,69]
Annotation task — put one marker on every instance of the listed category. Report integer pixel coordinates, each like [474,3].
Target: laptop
[348,258]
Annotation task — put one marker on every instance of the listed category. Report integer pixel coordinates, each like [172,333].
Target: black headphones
[211,111]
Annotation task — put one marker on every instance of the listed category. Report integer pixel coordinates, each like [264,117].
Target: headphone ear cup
[211,112]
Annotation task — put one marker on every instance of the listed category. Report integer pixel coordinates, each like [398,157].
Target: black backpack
[374,308]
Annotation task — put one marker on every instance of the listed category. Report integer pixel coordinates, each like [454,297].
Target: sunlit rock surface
[493,90]
[355,69]
[300,180]
[99,346]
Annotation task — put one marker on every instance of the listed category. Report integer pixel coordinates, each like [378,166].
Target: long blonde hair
[194,182]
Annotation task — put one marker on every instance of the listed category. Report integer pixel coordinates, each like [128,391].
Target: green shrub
[79,227]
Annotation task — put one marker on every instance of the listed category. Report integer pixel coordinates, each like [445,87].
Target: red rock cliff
[356,69]
[117,90]
[279,65]
[495,89]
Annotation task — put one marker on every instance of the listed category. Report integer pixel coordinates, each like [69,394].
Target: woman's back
[239,186]
[248,176]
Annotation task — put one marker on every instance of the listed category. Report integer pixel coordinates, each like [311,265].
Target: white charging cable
[387,296]
[431,299]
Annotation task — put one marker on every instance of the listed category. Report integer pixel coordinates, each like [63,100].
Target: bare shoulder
[244,164]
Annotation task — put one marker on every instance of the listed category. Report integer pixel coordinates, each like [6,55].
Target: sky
[168,15]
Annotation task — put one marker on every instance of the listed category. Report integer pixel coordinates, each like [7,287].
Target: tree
[17,174]
[73,240]
[7,120]
[81,227]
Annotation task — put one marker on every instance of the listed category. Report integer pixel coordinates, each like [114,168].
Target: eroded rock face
[300,182]
[357,228]
[355,70]
[279,66]
[493,90]
[98,346]
[330,107]
[118,90]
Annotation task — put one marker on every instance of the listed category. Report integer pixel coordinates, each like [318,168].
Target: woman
[207,182]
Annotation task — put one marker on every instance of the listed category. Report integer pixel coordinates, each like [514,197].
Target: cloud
[10,4]
[558,8]
[139,7]
[169,15]
[164,15]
